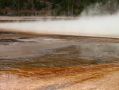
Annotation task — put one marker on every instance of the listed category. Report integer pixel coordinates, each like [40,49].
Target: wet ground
[24,50]
[54,56]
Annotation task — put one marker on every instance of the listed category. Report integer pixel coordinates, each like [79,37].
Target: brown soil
[74,78]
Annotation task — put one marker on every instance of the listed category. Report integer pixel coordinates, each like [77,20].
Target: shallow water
[29,51]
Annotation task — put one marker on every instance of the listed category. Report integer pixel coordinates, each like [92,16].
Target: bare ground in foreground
[44,62]
[96,77]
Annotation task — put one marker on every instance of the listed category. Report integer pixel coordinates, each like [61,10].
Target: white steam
[99,26]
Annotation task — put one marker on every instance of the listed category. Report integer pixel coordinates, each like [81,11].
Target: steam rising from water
[99,26]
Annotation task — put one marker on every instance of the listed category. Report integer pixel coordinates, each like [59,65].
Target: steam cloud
[99,26]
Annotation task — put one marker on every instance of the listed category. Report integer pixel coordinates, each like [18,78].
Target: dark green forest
[46,7]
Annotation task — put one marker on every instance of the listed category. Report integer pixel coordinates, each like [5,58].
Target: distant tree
[57,7]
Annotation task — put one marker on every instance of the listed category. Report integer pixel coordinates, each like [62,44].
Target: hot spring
[98,26]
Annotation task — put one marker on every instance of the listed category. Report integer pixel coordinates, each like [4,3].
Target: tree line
[46,7]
